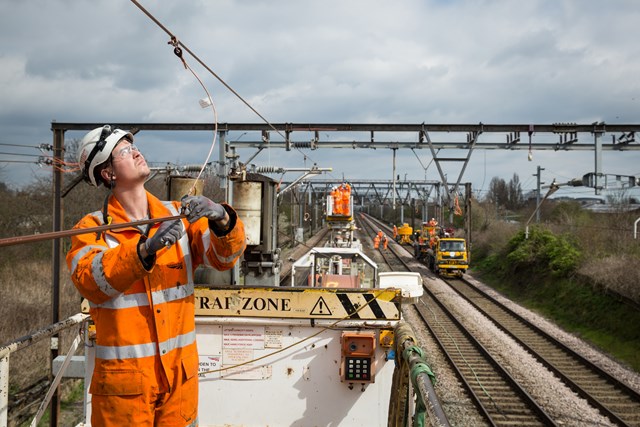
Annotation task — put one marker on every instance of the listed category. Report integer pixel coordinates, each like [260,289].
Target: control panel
[358,357]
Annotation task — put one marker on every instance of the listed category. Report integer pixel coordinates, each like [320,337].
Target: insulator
[269,169]
[302,145]
[192,168]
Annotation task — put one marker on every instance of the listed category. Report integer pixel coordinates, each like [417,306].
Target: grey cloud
[333,61]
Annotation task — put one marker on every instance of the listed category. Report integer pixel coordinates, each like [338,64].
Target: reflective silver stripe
[194,423]
[141,300]
[170,207]
[184,244]
[98,215]
[186,256]
[98,275]
[178,342]
[206,242]
[230,258]
[81,253]
[124,301]
[125,351]
[172,294]
[144,350]
[112,242]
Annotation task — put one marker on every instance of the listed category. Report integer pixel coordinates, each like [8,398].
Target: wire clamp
[177,50]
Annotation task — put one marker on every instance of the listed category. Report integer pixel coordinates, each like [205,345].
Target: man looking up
[139,284]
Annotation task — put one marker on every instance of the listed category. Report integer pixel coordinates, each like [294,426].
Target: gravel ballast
[566,407]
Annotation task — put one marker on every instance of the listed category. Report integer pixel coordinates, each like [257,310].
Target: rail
[410,366]
[21,343]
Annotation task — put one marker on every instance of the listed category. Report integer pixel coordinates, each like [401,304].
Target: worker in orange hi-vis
[385,241]
[139,284]
[395,232]
[433,222]
[335,199]
[376,242]
[346,199]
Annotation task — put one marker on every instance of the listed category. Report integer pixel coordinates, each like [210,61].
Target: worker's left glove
[168,234]
[196,207]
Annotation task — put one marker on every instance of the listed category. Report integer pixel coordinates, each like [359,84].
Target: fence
[21,343]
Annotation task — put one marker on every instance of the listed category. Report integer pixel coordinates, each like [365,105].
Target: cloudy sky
[330,61]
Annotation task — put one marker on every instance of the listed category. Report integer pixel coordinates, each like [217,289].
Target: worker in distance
[139,284]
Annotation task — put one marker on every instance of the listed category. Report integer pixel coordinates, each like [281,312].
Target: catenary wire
[20,154]
[178,44]
[20,145]
[182,45]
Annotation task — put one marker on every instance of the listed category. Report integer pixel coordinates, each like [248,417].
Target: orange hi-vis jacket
[145,319]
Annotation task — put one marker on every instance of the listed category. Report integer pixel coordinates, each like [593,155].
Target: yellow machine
[426,238]
[404,234]
[444,254]
[448,256]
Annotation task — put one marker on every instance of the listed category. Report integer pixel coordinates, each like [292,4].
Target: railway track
[615,400]
[498,397]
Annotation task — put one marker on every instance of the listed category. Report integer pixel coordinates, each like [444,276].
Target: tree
[515,199]
[503,195]
[498,193]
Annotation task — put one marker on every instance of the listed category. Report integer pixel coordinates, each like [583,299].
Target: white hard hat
[96,147]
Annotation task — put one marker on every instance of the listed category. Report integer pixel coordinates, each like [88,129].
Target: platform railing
[23,342]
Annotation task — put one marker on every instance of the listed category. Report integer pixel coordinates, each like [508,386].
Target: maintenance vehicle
[441,251]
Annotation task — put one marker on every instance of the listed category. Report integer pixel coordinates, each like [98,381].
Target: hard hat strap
[106,132]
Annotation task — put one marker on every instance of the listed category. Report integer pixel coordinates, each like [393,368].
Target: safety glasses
[126,152]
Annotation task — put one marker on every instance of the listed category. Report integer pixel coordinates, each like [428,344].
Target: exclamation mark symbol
[321,308]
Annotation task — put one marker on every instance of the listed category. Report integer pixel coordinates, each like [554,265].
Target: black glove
[196,207]
[168,234]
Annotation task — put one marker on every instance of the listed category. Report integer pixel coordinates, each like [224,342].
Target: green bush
[539,252]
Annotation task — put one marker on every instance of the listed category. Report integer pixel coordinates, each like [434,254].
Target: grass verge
[601,319]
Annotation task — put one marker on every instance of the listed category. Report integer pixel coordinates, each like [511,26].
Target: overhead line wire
[20,145]
[159,24]
[18,161]
[177,43]
[20,154]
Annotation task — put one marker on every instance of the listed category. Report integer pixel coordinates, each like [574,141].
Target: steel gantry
[381,193]
[556,136]
[434,137]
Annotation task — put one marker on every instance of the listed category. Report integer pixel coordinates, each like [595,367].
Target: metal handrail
[19,344]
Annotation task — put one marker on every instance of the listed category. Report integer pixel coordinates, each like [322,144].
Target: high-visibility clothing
[144,317]
[376,242]
[337,202]
[346,199]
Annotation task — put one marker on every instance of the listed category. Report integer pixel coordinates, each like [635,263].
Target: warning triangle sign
[321,308]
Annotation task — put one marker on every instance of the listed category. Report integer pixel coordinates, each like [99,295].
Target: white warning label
[209,366]
[251,337]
